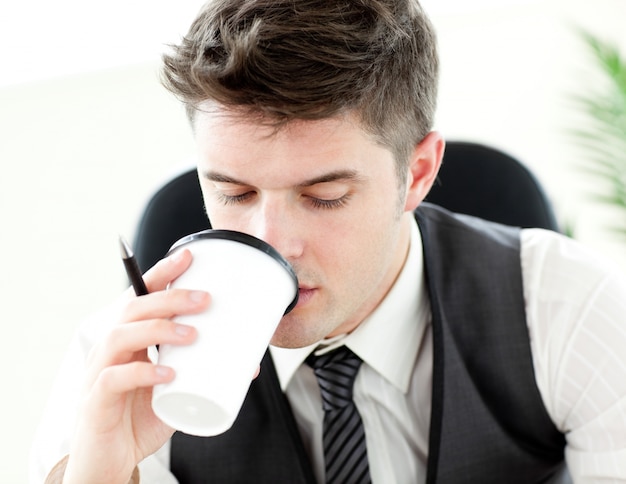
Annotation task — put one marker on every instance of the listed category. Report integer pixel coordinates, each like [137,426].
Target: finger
[128,342]
[115,383]
[165,271]
[164,304]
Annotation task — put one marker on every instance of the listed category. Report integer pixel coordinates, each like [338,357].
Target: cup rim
[246,239]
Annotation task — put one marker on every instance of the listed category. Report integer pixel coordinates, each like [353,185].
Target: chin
[291,341]
[292,336]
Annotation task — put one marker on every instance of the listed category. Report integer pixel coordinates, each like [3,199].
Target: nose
[277,224]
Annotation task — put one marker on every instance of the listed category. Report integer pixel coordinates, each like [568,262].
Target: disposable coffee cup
[252,286]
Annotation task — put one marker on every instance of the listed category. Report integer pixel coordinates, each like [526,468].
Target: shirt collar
[397,326]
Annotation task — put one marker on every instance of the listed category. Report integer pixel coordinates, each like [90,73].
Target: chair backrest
[480,180]
[474,179]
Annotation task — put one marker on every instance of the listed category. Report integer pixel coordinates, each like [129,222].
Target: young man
[489,354]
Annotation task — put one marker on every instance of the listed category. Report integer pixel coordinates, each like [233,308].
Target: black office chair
[474,179]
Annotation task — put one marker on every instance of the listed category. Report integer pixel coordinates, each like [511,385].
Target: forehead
[231,142]
[212,118]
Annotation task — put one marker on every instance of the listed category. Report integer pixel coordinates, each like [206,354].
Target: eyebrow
[333,176]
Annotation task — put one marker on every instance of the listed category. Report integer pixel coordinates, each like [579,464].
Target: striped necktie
[345,452]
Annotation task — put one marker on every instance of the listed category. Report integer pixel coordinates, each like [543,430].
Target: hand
[116,427]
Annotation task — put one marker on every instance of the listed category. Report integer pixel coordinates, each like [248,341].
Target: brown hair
[291,60]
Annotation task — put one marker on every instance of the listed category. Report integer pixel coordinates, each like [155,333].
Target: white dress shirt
[576,315]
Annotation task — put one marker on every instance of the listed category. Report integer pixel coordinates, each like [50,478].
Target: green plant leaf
[601,136]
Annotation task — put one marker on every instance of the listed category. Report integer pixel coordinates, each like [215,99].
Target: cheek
[351,249]
[365,230]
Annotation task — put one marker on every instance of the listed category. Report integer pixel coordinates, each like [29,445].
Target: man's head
[286,60]
[312,120]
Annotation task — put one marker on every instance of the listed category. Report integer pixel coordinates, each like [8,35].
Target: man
[488,354]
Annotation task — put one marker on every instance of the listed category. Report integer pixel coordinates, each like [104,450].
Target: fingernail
[177,256]
[197,296]
[183,330]
[163,372]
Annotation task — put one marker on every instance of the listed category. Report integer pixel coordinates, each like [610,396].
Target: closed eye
[234,199]
[329,204]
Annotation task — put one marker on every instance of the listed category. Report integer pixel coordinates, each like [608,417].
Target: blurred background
[87,132]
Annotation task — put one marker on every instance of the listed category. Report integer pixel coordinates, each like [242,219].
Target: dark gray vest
[488,422]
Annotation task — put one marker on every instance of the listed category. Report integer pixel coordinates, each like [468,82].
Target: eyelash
[315,202]
[329,204]
[233,199]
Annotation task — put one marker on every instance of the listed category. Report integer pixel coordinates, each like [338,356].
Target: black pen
[132,269]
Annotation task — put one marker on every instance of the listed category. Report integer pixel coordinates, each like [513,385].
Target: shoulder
[557,267]
[569,288]
[469,232]
[576,307]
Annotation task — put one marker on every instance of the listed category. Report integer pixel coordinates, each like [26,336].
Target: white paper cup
[252,286]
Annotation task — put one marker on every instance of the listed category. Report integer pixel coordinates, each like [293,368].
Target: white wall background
[82,144]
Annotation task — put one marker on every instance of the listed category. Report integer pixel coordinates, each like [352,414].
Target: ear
[423,168]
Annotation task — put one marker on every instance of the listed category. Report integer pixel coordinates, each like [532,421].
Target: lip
[305,295]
